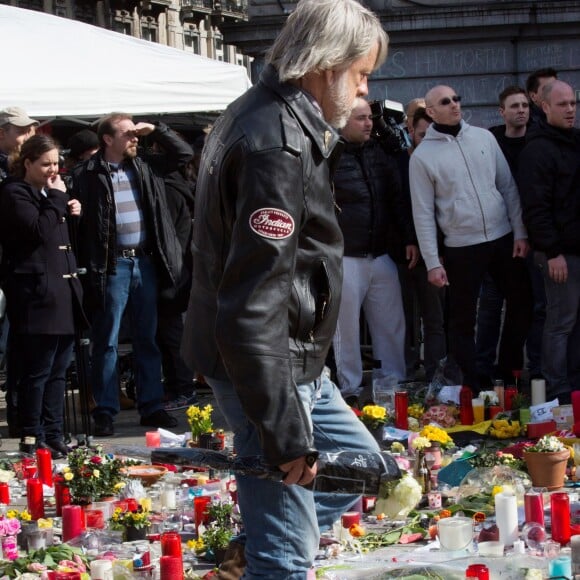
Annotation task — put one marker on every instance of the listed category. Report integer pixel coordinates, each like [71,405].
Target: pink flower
[80,564]
[36,567]
[12,526]
[96,459]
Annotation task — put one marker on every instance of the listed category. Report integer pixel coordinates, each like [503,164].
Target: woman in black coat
[43,292]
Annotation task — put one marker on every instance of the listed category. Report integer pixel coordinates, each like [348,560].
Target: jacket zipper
[474,188]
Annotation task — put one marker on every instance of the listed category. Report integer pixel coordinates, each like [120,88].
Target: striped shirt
[129,212]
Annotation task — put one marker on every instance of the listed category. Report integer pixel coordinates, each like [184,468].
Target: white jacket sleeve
[423,200]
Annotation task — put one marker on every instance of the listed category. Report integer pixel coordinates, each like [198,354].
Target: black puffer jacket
[97,240]
[374,216]
[267,269]
[549,185]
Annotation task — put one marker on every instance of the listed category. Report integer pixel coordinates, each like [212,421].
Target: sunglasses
[447,100]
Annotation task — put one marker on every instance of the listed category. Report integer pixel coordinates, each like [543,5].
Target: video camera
[387,117]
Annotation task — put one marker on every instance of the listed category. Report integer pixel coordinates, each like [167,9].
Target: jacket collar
[98,163]
[309,116]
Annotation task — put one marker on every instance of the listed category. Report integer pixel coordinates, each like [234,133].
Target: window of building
[31,5]
[191,39]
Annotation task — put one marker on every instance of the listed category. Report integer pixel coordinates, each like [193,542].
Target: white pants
[373,284]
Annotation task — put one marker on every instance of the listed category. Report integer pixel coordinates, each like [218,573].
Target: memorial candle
[534,506]
[4,493]
[560,505]
[72,522]
[44,466]
[401,410]
[171,568]
[506,510]
[35,498]
[538,391]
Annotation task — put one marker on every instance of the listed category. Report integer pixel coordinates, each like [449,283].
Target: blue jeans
[282,523]
[134,286]
[561,340]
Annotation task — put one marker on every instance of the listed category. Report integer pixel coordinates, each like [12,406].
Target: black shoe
[104,426]
[159,419]
[54,452]
[57,446]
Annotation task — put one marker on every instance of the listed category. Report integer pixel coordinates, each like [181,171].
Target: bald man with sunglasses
[461,182]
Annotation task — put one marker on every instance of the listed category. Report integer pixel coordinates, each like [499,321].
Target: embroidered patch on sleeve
[272,223]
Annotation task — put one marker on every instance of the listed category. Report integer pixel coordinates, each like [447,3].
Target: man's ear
[108,139]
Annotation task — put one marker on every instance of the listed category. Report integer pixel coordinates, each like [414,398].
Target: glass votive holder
[551,549]
[36,540]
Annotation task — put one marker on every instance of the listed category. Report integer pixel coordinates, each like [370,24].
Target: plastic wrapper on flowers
[412,572]
[478,488]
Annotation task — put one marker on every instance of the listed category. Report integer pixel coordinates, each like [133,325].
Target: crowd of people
[303,219]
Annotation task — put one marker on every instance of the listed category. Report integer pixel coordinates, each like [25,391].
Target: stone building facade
[477,46]
[190,25]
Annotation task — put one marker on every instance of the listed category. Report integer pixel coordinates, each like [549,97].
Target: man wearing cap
[16,127]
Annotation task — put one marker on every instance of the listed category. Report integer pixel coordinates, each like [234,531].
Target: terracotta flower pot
[547,469]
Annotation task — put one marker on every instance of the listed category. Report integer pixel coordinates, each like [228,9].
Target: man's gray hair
[326,34]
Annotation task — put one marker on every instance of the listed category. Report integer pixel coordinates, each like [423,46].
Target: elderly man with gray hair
[267,275]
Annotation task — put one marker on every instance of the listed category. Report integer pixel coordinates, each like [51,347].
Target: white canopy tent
[56,67]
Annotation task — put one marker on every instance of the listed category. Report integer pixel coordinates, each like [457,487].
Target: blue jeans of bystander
[283,523]
[134,286]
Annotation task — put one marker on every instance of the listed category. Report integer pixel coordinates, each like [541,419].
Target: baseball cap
[17,117]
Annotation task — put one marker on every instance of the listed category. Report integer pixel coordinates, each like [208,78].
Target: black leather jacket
[549,185]
[267,264]
[375,217]
[97,239]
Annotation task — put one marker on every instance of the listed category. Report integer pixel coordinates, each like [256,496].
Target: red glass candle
[560,504]
[132,504]
[200,504]
[576,405]
[494,410]
[35,498]
[479,571]
[401,410]
[509,396]
[61,495]
[44,466]
[171,567]
[153,439]
[465,406]
[28,468]
[171,544]
[4,493]
[72,522]
[350,519]
[534,507]
[95,519]
[67,575]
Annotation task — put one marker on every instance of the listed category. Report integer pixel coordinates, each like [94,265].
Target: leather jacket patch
[275,224]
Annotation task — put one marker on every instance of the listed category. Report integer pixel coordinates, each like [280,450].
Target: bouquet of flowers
[22,516]
[139,518]
[437,435]
[9,526]
[199,420]
[92,474]
[547,444]
[373,416]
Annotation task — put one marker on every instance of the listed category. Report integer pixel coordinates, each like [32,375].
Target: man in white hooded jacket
[461,183]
